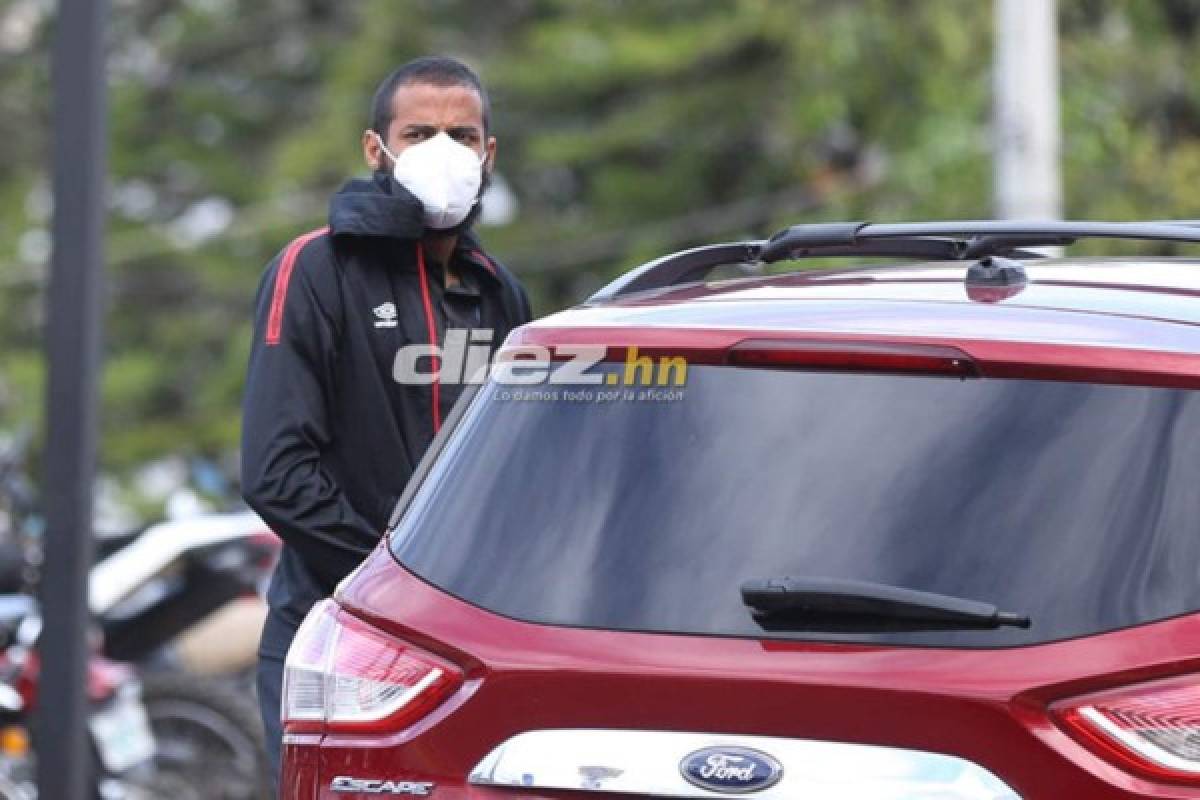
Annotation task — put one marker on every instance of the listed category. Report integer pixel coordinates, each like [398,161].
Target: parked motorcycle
[17,765]
[152,588]
[146,590]
[123,746]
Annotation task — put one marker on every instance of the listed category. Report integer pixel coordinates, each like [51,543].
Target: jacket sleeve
[285,414]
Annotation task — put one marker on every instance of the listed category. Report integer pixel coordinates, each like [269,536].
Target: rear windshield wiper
[838,605]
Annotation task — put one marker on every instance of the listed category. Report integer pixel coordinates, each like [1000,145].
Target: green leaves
[626,129]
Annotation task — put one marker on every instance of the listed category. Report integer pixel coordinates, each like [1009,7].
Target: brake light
[343,675]
[853,356]
[1152,728]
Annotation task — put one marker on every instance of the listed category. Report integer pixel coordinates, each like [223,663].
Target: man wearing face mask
[329,437]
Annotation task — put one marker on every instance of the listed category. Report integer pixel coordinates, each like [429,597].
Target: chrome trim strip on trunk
[649,763]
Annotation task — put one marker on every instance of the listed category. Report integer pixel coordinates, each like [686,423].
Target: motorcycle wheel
[210,740]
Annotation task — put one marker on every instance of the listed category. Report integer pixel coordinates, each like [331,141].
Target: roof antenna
[993,278]
[997,271]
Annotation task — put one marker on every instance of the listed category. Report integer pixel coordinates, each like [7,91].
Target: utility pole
[1026,126]
[72,337]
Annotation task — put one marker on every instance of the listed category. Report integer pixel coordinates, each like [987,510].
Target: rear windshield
[1075,504]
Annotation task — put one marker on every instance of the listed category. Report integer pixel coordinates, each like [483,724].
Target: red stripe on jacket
[282,278]
[483,259]
[431,328]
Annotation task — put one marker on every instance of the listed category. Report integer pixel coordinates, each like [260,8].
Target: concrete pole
[1026,128]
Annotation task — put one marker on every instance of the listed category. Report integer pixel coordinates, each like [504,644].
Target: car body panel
[1129,287]
[994,358]
[1150,306]
[990,705]
[892,318]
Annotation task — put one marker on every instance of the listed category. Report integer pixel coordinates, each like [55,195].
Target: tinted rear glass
[1075,504]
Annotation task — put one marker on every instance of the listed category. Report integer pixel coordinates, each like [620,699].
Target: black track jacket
[329,438]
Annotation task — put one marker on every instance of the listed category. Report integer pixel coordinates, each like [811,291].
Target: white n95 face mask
[443,174]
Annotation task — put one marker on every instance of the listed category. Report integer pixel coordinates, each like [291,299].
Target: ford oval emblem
[733,770]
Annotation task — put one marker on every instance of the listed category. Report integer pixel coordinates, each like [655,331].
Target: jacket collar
[377,207]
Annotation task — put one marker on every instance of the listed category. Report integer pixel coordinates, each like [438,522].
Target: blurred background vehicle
[149,587]
[178,600]
[123,747]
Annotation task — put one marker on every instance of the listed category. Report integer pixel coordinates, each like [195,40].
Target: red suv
[883,533]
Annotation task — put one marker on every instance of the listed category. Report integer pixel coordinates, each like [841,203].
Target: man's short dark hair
[430,70]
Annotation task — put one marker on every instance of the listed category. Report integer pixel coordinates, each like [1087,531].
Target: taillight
[342,675]
[305,669]
[898,357]
[1152,728]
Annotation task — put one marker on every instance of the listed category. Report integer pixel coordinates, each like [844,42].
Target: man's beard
[386,181]
[472,215]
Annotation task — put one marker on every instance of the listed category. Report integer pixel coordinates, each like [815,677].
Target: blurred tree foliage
[626,128]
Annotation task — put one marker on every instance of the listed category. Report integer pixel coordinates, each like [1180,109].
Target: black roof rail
[681,267]
[931,241]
